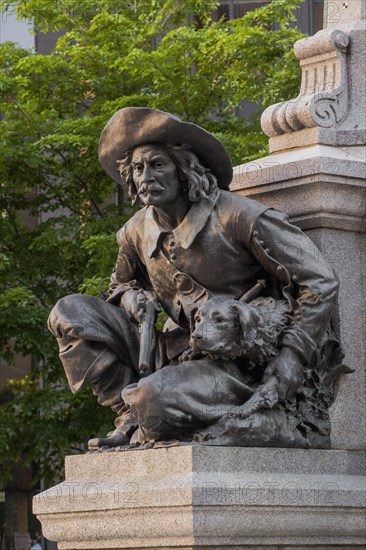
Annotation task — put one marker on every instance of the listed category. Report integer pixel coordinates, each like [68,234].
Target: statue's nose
[147,175]
[197,334]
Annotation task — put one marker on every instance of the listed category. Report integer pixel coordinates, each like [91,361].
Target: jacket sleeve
[308,282]
[129,272]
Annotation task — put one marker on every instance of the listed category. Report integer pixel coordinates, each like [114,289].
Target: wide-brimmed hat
[135,126]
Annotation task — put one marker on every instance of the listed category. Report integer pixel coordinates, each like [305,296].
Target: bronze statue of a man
[192,241]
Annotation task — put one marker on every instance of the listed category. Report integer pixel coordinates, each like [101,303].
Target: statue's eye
[218,319]
[138,168]
[158,164]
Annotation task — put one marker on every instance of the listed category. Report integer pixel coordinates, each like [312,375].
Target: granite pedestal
[208,497]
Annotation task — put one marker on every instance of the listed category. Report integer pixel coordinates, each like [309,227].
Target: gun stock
[147,335]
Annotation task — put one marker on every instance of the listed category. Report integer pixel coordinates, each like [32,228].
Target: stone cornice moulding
[323,98]
[319,186]
[348,163]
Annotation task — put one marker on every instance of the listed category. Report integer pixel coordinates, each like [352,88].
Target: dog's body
[226,329]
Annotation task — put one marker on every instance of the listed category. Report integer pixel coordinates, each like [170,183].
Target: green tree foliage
[57,218]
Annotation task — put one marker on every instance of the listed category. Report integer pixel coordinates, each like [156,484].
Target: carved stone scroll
[323,98]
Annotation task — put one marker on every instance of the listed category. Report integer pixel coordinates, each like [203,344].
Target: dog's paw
[244,411]
[189,355]
[265,397]
[184,356]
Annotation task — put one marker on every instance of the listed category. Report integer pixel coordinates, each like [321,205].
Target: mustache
[145,187]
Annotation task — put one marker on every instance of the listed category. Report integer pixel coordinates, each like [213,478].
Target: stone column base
[208,497]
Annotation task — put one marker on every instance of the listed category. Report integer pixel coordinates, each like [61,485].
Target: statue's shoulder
[132,228]
[231,206]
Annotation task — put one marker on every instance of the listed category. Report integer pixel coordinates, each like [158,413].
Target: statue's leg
[99,346]
[177,400]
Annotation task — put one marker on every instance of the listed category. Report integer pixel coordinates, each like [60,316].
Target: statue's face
[155,176]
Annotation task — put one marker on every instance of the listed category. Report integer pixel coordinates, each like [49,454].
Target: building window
[309,14]
[318,15]
[233,9]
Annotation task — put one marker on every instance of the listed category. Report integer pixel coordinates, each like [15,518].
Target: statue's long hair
[197,181]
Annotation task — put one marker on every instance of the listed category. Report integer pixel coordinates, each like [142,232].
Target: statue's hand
[189,355]
[130,303]
[288,370]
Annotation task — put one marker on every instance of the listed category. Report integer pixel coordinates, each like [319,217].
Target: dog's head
[224,328]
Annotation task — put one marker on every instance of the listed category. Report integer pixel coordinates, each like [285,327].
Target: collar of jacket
[186,232]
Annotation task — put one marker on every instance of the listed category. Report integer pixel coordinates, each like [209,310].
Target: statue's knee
[62,312]
[143,394]
[151,387]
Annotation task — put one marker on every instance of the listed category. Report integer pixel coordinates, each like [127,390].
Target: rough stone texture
[194,497]
[311,136]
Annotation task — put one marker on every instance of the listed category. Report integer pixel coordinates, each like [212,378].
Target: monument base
[208,497]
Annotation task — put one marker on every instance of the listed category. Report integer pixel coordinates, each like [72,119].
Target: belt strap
[190,292]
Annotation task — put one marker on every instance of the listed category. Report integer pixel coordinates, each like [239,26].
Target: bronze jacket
[225,244]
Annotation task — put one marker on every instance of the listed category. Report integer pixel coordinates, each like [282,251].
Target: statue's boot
[126,425]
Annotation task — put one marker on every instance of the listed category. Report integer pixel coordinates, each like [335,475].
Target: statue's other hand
[131,303]
[189,355]
[288,369]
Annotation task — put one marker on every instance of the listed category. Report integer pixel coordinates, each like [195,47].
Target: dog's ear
[191,319]
[249,320]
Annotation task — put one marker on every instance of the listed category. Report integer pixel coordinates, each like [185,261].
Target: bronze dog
[226,329]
